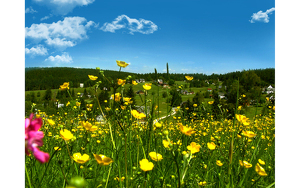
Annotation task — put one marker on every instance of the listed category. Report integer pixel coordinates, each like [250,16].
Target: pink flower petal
[40,155]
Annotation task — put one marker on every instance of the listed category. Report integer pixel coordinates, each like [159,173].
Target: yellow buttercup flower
[240,108]
[147,86]
[102,159]
[261,162]
[202,183]
[145,165]
[158,125]
[243,119]
[194,147]
[78,158]
[117,95]
[245,164]
[51,122]
[195,105]
[66,134]
[210,102]
[122,63]
[249,134]
[166,143]
[134,82]
[57,148]
[211,145]
[219,163]
[64,86]
[186,130]
[121,82]
[93,77]
[87,125]
[189,78]
[260,170]
[137,115]
[155,156]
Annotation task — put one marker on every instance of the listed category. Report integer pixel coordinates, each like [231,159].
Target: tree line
[45,78]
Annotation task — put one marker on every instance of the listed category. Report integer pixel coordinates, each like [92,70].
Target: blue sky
[192,36]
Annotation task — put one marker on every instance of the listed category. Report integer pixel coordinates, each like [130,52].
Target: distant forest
[44,78]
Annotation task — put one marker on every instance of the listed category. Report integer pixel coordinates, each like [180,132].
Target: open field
[127,148]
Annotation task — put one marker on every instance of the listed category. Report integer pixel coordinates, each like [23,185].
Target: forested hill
[43,78]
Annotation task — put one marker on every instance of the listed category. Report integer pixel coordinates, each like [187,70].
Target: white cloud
[61,34]
[261,16]
[64,58]
[38,50]
[63,7]
[133,25]
[30,10]
[46,17]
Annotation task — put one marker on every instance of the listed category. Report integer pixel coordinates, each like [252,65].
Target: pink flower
[33,138]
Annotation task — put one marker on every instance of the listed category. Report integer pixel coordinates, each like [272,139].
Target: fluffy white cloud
[61,34]
[63,7]
[30,10]
[38,50]
[64,58]
[261,16]
[133,25]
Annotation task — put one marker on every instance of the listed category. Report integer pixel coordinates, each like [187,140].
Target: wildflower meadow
[121,146]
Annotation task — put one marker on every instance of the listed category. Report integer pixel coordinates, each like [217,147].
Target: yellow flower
[66,134]
[186,130]
[261,162]
[64,86]
[87,125]
[155,156]
[243,119]
[166,143]
[189,78]
[240,108]
[102,159]
[243,95]
[57,148]
[158,125]
[134,82]
[202,183]
[194,147]
[117,178]
[68,103]
[78,158]
[93,77]
[245,164]
[260,170]
[117,95]
[211,145]
[249,134]
[195,105]
[145,165]
[219,163]
[267,98]
[137,115]
[122,63]
[147,86]
[78,103]
[51,122]
[121,82]
[210,102]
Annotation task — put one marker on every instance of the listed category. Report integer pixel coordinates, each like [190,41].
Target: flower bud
[78,182]
[166,132]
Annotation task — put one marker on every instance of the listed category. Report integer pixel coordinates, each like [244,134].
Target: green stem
[28,179]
